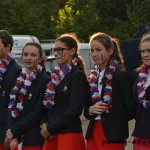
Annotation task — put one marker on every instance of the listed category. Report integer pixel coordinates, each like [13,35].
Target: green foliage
[48,19]
[77,16]
[138,13]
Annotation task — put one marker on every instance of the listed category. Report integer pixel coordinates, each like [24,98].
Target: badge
[3,93]
[65,89]
[30,96]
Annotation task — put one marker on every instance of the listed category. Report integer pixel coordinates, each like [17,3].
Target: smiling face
[145,52]
[99,54]
[31,57]
[62,53]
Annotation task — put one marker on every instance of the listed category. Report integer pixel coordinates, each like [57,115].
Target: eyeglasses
[59,50]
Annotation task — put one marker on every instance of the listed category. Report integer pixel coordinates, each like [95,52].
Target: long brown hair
[71,40]
[117,54]
[109,42]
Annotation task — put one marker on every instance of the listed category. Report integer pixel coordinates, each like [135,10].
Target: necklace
[141,89]
[3,66]
[56,77]
[107,92]
[23,82]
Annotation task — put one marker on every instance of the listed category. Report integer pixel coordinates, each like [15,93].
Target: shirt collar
[101,74]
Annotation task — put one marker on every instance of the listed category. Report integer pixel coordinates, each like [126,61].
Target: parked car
[19,41]
[84,52]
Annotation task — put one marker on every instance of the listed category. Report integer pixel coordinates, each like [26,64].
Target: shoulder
[44,76]
[14,69]
[120,74]
[135,73]
[78,72]
[15,65]
[42,79]
[79,79]
[122,77]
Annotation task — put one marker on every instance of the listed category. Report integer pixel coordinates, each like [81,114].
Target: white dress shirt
[100,76]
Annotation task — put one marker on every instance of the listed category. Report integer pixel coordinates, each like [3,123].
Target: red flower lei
[93,78]
[56,77]
[141,89]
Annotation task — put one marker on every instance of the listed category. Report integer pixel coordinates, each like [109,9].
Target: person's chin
[2,56]
[59,61]
[146,62]
[28,66]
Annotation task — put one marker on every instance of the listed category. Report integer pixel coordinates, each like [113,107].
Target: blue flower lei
[141,89]
[23,82]
[57,76]
[107,93]
[4,65]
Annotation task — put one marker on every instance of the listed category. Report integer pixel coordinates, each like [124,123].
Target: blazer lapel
[61,85]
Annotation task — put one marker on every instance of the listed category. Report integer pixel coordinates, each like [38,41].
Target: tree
[76,16]
[138,13]
[48,19]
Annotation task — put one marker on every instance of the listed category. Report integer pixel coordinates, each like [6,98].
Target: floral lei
[20,90]
[3,66]
[93,79]
[56,77]
[141,89]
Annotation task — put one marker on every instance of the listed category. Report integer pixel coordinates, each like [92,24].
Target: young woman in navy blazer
[26,106]
[67,92]
[141,90]
[111,105]
[9,70]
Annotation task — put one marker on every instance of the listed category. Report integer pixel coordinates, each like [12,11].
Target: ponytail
[80,62]
[117,54]
[71,40]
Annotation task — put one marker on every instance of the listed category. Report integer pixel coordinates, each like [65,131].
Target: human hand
[7,143]
[9,134]
[98,108]
[44,132]
[51,137]
[14,143]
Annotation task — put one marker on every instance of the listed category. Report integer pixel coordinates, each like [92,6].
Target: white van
[19,41]
[84,52]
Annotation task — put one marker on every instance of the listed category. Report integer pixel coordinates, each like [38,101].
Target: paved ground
[129,140]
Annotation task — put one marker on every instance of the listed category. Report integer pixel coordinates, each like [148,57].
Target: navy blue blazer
[142,124]
[8,82]
[70,98]
[28,123]
[115,123]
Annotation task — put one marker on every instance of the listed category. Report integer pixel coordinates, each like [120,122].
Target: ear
[8,48]
[110,51]
[73,51]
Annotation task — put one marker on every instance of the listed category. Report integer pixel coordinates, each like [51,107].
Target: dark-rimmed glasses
[59,50]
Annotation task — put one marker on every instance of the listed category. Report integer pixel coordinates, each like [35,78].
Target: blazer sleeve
[77,98]
[125,85]
[88,103]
